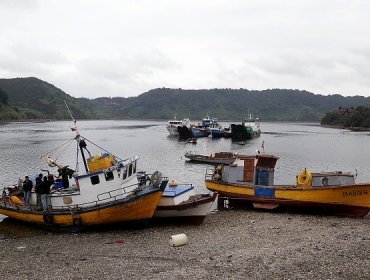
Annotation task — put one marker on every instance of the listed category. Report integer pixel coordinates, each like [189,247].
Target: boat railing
[109,196]
[120,192]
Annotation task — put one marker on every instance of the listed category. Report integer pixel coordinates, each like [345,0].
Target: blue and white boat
[180,203]
[216,130]
[199,131]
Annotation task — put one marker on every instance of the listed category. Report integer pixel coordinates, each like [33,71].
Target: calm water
[299,146]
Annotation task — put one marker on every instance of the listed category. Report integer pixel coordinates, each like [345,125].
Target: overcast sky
[92,48]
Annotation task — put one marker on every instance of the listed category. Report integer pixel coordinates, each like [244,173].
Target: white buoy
[178,240]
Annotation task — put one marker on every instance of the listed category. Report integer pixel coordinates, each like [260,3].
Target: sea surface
[298,146]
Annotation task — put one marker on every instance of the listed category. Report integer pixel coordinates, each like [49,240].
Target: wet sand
[230,244]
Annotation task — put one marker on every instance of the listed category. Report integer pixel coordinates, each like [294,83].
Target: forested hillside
[358,118]
[31,98]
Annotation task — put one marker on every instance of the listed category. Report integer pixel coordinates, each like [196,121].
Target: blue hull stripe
[264,192]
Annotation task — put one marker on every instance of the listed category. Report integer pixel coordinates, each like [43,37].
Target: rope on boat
[60,146]
[62,152]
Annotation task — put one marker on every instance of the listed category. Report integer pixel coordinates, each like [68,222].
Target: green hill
[356,119]
[31,98]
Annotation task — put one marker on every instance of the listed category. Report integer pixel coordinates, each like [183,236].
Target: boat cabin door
[248,170]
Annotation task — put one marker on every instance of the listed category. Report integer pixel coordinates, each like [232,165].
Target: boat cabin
[327,179]
[251,169]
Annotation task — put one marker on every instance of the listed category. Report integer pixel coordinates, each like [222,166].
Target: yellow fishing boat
[107,191]
[250,181]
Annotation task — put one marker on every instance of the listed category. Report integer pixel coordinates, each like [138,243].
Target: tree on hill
[3,97]
[348,117]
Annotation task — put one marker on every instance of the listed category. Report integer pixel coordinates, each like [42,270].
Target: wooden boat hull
[346,200]
[207,159]
[130,209]
[193,211]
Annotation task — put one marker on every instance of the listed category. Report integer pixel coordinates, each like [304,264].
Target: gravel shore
[230,244]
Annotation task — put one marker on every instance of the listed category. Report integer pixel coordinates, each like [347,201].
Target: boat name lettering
[355,193]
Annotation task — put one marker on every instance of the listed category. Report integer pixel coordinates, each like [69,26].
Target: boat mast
[82,145]
[81,142]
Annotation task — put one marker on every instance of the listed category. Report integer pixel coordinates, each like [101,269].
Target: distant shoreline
[159,120]
[359,129]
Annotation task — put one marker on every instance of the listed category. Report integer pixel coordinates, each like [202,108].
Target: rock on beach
[230,244]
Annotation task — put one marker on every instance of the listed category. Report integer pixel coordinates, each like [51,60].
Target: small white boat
[172,125]
[192,140]
[180,203]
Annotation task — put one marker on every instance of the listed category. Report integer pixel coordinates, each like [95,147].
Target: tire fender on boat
[304,179]
[77,221]
[156,179]
[48,218]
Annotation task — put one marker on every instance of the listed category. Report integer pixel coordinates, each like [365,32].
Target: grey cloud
[125,67]
[19,4]
[120,48]
[30,60]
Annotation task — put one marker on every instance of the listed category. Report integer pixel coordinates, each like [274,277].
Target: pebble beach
[230,244]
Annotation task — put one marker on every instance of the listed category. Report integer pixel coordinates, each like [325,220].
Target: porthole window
[95,179]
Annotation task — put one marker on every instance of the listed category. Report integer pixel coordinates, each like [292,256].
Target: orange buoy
[16,200]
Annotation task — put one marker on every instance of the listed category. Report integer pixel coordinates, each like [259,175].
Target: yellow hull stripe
[140,209]
[356,195]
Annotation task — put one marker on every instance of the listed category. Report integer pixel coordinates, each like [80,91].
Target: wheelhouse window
[134,167]
[124,173]
[119,172]
[130,170]
[109,176]
[95,179]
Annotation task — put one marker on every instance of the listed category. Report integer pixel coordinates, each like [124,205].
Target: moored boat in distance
[248,129]
[215,158]
[199,132]
[216,130]
[192,140]
[249,181]
[106,192]
[180,204]
[196,130]
[172,125]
